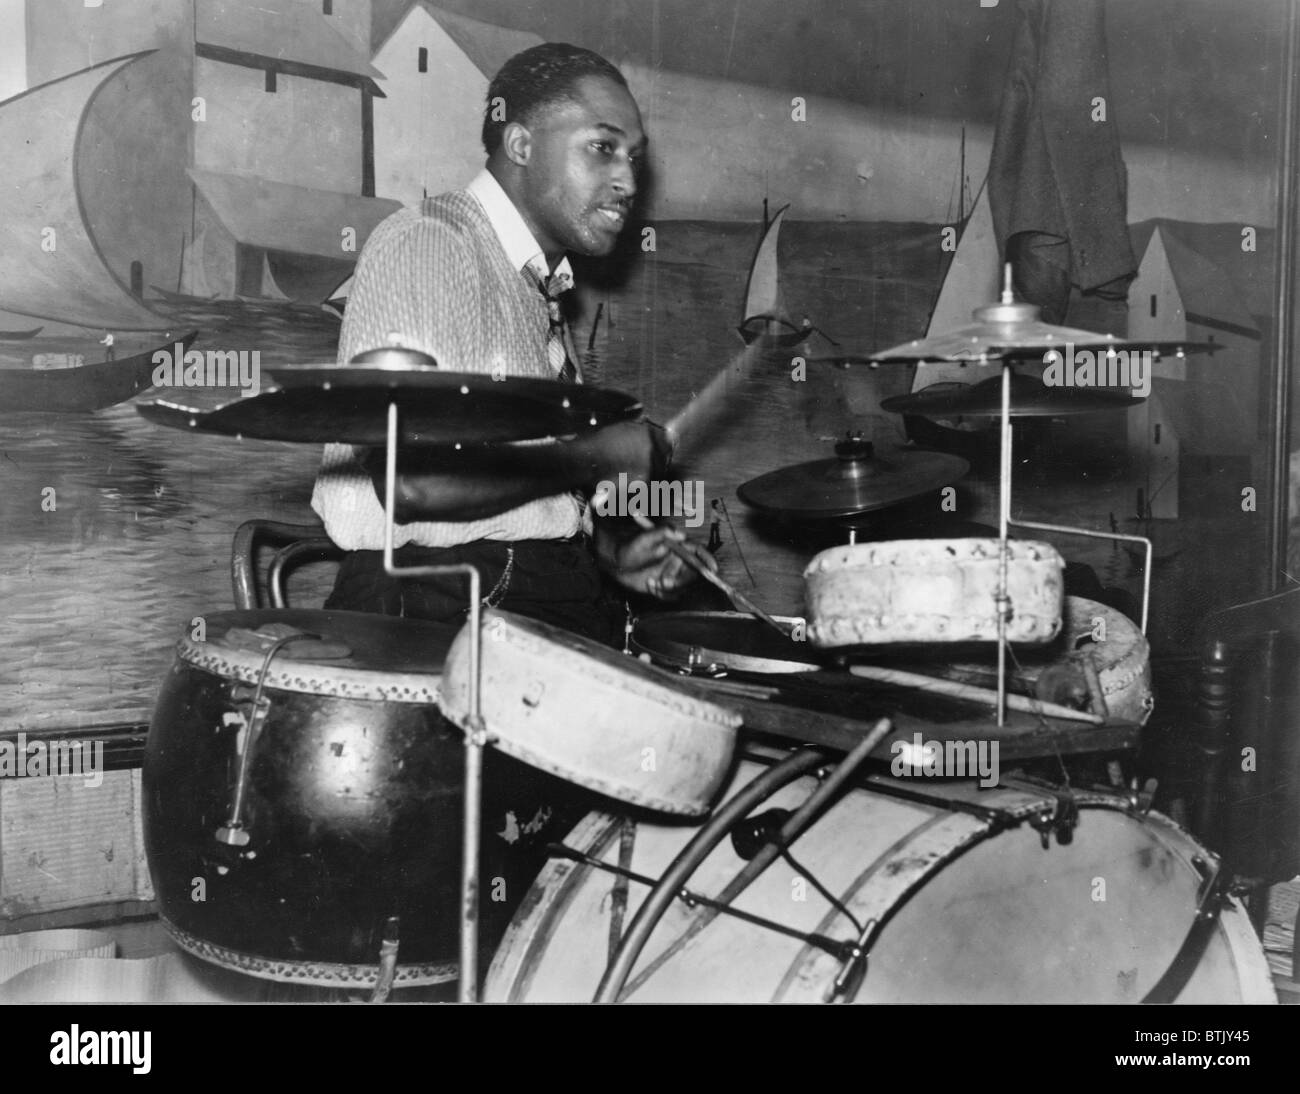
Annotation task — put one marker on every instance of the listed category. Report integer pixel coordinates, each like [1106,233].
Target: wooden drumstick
[972,694]
[687,422]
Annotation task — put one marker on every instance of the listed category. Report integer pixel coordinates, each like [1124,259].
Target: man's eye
[603,147]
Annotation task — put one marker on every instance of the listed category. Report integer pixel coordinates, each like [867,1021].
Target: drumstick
[733,594]
[971,693]
[683,425]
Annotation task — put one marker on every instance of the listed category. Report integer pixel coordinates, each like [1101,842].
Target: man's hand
[645,563]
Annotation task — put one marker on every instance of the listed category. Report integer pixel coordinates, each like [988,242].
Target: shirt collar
[517,240]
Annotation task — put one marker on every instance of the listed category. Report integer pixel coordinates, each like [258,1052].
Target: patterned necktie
[556,350]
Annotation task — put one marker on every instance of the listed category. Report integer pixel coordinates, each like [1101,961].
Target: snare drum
[351,803]
[932,590]
[715,643]
[597,718]
[973,907]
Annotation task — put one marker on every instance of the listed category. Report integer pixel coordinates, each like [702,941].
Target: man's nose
[624,178]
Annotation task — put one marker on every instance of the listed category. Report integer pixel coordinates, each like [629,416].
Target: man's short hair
[535,80]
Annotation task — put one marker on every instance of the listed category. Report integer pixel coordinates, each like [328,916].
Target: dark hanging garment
[1057,184]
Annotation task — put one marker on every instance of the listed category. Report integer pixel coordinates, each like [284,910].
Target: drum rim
[853,556]
[306,677]
[739,663]
[609,667]
[318,974]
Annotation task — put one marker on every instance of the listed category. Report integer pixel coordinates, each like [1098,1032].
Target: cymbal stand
[1009,310]
[476,735]
[1005,519]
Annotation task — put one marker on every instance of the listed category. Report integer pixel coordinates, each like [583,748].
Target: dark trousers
[555,581]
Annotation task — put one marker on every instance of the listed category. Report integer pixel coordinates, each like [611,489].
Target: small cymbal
[317,404]
[1030,398]
[860,478]
[1007,330]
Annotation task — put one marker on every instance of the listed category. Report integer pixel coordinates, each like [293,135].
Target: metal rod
[476,737]
[1004,519]
[1288,218]
[791,830]
[1089,533]
[691,898]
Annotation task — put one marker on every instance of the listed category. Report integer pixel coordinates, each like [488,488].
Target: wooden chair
[299,543]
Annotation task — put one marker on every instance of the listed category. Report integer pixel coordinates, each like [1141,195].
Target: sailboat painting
[54,268]
[764,319]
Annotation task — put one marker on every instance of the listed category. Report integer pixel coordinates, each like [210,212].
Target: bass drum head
[970,914]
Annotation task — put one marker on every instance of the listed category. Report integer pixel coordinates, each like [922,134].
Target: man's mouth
[615,214]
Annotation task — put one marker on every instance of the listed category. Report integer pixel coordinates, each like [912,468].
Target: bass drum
[971,907]
[350,812]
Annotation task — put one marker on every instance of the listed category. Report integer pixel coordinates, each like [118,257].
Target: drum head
[712,643]
[355,655]
[968,904]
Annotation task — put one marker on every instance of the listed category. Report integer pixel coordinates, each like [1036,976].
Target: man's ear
[517,143]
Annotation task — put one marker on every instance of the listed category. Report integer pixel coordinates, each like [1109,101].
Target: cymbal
[317,404]
[1007,330]
[861,478]
[1030,398]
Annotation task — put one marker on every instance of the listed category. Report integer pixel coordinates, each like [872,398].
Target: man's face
[580,177]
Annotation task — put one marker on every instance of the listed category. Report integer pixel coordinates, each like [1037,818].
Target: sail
[195,279]
[972,282]
[763,294]
[50,265]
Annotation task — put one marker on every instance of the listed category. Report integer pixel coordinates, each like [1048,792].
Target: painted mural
[209,171]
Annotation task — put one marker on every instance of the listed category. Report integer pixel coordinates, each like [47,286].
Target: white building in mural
[437,67]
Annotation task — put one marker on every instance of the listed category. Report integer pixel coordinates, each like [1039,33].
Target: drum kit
[304,799]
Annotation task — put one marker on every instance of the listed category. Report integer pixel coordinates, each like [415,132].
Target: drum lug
[853,970]
[1140,800]
[1061,820]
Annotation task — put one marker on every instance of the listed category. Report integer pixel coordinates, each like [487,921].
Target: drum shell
[932,590]
[594,717]
[970,912]
[353,808]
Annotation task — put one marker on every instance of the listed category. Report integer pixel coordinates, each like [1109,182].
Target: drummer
[466,278]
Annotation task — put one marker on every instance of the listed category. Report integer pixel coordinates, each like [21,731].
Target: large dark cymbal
[317,404]
[1030,398]
[860,478]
